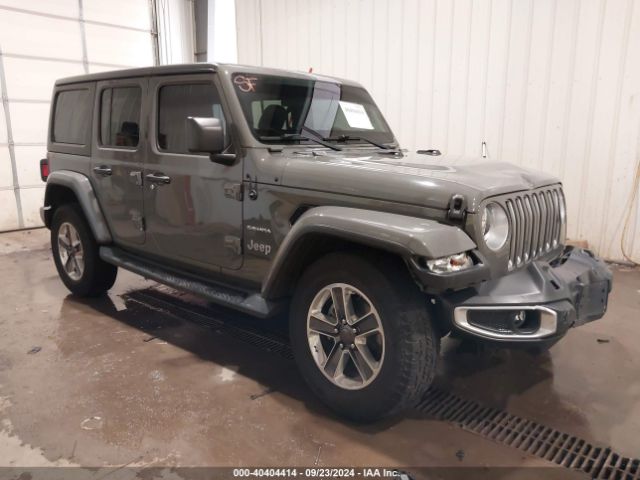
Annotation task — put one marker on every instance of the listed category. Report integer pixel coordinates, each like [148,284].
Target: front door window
[190,219]
[175,104]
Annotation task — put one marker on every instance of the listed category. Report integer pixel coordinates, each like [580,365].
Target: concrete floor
[110,382]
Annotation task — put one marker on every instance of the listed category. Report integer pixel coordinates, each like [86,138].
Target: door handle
[158,178]
[103,170]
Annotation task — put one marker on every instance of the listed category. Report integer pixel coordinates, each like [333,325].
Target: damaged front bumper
[537,304]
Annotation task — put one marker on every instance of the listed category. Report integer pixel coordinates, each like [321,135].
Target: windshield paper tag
[356,115]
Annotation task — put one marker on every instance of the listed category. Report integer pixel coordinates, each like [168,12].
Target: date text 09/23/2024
[320,473]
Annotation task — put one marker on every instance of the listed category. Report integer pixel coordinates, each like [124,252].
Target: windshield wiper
[296,136]
[346,138]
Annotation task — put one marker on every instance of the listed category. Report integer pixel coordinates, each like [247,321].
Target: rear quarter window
[72,117]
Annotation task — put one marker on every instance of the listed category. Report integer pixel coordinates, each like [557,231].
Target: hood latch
[457,207]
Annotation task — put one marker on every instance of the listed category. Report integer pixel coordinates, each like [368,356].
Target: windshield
[276,107]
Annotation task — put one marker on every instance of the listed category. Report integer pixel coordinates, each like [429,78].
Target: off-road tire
[411,342]
[97,276]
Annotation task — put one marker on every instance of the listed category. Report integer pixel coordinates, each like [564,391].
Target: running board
[246,302]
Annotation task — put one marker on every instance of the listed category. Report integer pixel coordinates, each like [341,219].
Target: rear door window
[72,117]
[120,117]
[176,103]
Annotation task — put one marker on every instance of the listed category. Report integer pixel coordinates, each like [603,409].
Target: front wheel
[75,253]
[362,336]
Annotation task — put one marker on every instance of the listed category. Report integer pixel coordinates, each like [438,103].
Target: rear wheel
[75,253]
[361,335]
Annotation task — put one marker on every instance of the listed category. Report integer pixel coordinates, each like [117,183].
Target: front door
[119,144]
[193,209]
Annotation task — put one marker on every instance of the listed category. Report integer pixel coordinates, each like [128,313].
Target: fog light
[505,322]
[519,319]
[452,263]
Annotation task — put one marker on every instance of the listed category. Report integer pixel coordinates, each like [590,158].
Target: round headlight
[495,226]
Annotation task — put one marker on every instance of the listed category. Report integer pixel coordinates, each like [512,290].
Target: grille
[536,220]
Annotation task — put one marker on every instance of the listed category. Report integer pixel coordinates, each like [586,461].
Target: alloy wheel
[345,336]
[70,251]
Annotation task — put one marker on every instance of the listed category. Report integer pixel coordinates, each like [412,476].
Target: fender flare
[399,234]
[81,186]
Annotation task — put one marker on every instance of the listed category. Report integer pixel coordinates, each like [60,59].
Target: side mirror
[205,134]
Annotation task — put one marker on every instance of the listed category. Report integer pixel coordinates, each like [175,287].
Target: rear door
[117,160]
[193,206]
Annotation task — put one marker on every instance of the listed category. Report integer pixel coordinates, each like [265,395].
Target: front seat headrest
[273,118]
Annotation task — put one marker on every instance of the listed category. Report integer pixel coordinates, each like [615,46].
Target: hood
[412,178]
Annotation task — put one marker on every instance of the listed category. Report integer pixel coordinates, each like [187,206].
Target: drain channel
[530,437]
[533,438]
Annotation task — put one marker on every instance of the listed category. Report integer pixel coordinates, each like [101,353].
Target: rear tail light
[44,169]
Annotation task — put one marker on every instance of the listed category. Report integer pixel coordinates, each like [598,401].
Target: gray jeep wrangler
[265,190]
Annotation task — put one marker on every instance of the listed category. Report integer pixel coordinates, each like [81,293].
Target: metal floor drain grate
[569,451]
[533,438]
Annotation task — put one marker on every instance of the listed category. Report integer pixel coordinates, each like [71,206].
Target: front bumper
[554,296]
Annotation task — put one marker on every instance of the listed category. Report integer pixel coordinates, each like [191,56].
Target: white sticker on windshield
[356,115]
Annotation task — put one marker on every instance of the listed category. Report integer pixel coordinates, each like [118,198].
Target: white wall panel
[9,217]
[96,68]
[124,13]
[248,31]
[118,46]
[39,36]
[26,157]
[3,126]
[41,41]
[30,79]
[29,122]
[548,84]
[600,159]
[6,176]
[478,73]
[625,142]
[31,200]
[176,31]
[67,8]
[221,31]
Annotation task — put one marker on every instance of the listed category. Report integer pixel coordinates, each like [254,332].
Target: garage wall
[547,84]
[176,36]
[42,40]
